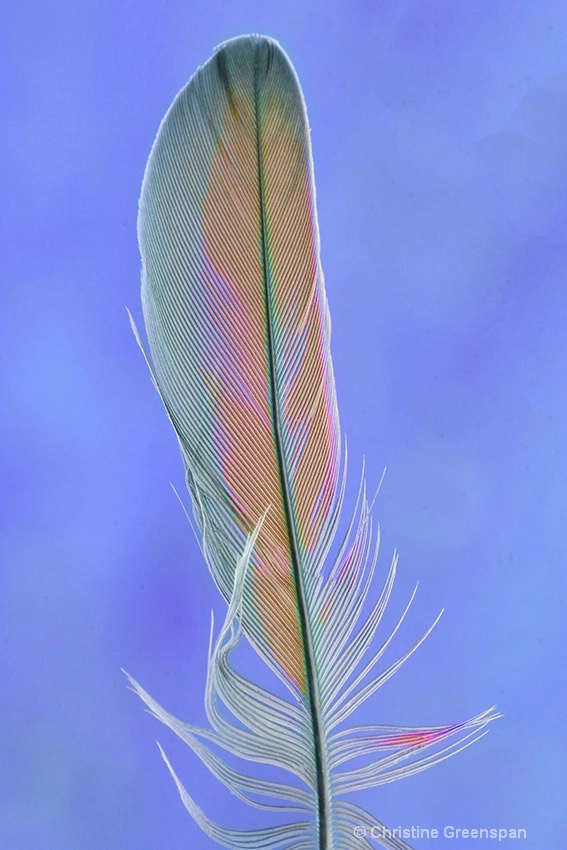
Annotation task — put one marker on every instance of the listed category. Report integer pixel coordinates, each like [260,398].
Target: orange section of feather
[307,391]
[241,388]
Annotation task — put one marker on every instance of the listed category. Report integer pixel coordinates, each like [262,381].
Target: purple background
[440,144]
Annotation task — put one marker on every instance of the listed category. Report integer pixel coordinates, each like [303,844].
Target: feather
[239,336]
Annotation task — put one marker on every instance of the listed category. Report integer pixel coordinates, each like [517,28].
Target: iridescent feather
[239,335]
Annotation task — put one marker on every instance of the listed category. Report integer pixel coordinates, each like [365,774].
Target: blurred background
[439,132]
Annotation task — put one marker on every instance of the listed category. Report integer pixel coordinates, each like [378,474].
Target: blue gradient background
[440,143]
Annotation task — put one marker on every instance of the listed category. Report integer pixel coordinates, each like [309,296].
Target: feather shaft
[323,790]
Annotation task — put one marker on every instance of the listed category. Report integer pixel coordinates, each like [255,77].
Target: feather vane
[239,335]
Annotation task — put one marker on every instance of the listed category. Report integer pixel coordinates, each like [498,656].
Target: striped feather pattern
[239,334]
[239,331]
